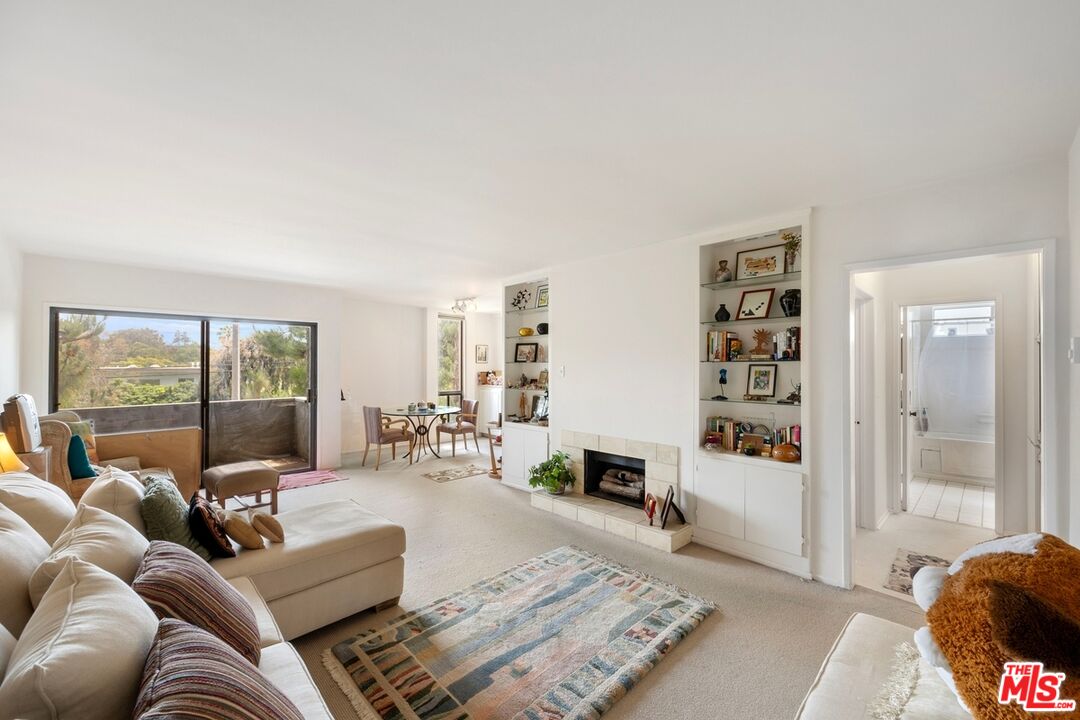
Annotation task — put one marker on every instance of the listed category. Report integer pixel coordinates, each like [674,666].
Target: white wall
[53,281]
[1004,279]
[481,328]
[622,328]
[10,302]
[1074,369]
[382,361]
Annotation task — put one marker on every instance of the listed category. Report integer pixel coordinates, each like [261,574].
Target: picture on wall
[542,296]
[761,380]
[525,352]
[762,262]
[755,304]
[481,354]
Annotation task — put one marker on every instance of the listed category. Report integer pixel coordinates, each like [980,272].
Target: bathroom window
[963,320]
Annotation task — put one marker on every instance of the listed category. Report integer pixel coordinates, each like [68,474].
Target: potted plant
[554,474]
[792,245]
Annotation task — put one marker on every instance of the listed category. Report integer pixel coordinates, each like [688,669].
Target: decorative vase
[789,262]
[791,302]
[542,329]
[722,273]
[525,331]
[722,314]
[786,453]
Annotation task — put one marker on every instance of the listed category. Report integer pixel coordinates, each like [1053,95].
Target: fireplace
[615,477]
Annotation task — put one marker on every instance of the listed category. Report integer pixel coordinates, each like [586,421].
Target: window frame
[459,393]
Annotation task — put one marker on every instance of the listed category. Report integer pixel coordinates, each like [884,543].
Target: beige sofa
[337,560]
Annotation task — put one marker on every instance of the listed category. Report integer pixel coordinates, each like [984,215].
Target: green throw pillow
[166,516]
[78,461]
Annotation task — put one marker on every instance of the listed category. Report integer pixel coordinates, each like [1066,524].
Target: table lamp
[9,461]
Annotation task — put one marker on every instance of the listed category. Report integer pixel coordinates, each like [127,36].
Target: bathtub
[952,456]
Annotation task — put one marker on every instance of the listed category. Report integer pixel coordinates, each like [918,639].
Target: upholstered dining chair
[379,431]
[464,425]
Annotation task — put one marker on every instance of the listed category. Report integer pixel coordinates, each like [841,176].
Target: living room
[602,196]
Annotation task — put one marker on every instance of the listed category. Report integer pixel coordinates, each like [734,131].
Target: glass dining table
[422,420]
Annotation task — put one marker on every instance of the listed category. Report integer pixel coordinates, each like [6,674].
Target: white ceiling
[420,151]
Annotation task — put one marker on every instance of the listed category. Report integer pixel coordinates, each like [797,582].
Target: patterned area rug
[561,636]
[904,567]
[456,473]
[305,479]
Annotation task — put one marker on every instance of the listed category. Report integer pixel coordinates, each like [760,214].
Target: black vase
[542,329]
[791,302]
[722,314]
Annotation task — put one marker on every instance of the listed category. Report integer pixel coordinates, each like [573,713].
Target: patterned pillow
[166,516]
[176,583]
[207,527]
[190,673]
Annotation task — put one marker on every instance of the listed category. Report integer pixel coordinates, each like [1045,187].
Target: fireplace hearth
[615,477]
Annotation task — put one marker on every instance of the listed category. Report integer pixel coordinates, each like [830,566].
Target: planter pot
[560,491]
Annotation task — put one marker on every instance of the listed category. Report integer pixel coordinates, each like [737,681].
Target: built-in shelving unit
[753,505]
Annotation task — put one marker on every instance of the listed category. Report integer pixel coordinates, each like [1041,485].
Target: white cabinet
[752,501]
[523,447]
[491,399]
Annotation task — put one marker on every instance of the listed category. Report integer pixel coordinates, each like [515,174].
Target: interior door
[905,412]
[262,393]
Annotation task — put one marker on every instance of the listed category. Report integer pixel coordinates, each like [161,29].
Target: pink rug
[306,479]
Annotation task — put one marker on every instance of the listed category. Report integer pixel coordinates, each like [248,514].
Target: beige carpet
[754,658]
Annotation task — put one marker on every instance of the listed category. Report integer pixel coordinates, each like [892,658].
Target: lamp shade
[9,461]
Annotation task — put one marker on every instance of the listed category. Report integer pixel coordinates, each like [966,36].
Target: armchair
[465,424]
[379,431]
[56,434]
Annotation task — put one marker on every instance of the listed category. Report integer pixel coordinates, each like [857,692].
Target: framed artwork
[481,354]
[761,380]
[521,300]
[762,262]
[755,304]
[542,381]
[542,296]
[525,352]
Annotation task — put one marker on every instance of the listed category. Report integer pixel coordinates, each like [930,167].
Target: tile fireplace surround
[661,472]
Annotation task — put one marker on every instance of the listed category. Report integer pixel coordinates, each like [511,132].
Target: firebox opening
[615,477]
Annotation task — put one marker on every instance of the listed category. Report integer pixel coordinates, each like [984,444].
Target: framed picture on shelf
[481,354]
[762,262]
[761,380]
[755,304]
[542,296]
[525,352]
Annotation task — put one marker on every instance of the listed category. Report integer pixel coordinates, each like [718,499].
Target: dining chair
[379,431]
[465,424]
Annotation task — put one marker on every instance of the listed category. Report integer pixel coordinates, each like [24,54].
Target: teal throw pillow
[166,516]
[78,461]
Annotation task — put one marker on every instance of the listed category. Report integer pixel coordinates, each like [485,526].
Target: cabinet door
[774,508]
[720,494]
[513,464]
[536,449]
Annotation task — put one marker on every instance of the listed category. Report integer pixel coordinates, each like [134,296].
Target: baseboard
[776,559]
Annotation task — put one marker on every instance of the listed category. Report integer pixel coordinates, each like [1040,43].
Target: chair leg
[465,441]
[378,456]
[221,502]
[393,451]
[412,446]
[367,446]
[453,444]
[476,440]
[273,501]
[258,496]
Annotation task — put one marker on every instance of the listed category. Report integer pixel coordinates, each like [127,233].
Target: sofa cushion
[95,536]
[191,673]
[208,528]
[176,583]
[240,529]
[46,508]
[120,493]
[7,645]
[322,542]
[21,551]
[268,526]
[283,666]
[166,515]
[83,651]
[269,633]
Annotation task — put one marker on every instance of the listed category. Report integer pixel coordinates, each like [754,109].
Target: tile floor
[956,502]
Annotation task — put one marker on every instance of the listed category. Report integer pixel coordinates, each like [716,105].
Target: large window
[451,366]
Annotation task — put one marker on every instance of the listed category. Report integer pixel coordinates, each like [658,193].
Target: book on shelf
[722,345]
[788,344]
[728,434]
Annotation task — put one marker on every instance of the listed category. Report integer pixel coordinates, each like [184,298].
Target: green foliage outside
[450,354]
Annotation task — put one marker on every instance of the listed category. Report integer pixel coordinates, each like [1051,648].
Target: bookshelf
[753,505]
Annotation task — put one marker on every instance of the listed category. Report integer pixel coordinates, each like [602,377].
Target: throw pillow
[84,430]
[240,530]
[95,536]
[47,508]
[191,673]
[120,493]
[82,653]
[176,583]
[21,551]
[78,461]
[207,527]
[268,526]
[166,516]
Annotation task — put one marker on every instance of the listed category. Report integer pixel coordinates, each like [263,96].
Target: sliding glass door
[249,386]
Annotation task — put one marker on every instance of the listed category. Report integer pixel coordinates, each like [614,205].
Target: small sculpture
[723,384]
[723,273]
[796,395]
[763,338]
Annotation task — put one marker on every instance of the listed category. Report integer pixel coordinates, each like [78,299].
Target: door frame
[864,406]
[1054,486]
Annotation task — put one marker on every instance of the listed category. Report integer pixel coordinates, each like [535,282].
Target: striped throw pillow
[189,673]
[177,583]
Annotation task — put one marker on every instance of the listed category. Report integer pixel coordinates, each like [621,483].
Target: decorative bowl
[785,453]
[525,331]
